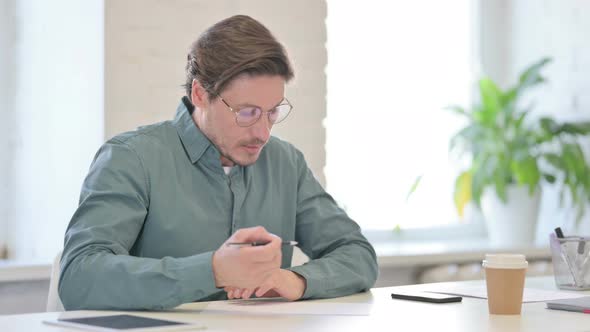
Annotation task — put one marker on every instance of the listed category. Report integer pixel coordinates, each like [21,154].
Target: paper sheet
[281,307]
[530,295]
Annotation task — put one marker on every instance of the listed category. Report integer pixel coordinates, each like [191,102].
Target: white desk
[388,315]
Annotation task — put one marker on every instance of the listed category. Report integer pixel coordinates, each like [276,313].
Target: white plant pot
[511,224]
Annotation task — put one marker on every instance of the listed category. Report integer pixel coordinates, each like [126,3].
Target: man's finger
[260,234]
[247,293]
[262,254]
[251,234]
[265,253]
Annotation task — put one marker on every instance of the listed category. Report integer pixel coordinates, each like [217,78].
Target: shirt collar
[194,141]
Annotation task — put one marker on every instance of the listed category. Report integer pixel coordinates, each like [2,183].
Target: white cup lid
[505,261]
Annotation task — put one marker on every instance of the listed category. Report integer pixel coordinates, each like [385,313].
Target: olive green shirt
[157,203]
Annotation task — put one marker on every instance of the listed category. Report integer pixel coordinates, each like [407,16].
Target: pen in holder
[571,261]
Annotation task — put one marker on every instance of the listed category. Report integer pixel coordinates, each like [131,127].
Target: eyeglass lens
[249,115]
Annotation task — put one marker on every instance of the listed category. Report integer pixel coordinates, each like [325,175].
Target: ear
[199,95]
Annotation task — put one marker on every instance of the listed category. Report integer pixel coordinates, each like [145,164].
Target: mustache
[255,141]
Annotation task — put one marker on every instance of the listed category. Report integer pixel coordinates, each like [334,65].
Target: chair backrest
[53,301]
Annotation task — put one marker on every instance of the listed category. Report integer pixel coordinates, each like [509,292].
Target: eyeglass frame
[231,109]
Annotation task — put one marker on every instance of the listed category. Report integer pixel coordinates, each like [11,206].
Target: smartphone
[426,297]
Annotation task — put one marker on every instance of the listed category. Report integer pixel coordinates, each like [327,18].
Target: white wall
[59,116]
[7,118]
[560,29]
[146,47]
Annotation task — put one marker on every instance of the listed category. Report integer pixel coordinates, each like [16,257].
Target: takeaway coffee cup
[505,282]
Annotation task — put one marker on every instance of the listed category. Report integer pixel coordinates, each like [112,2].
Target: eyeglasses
[248,115]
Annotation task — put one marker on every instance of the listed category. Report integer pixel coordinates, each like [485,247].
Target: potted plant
[512,153]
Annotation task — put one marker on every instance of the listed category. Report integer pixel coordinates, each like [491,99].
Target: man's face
[240,145]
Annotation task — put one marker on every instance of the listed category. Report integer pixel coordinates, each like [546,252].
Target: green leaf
[459,110]
[549,125]
[561,197]
[491,100]
[572,189]
[500,184]
[574,159]
[581,177]
[572,169]
[547,130]
[580,161]
[483,169]
[526,170]
[477,181]
[509,97]
[462,194]
[520,120]
[414,186]
[531,76]
[582,128]
[555,160]
[468,133]
[469,136]
[549,178]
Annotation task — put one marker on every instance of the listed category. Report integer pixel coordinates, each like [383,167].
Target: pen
[559,233]
[581,245]
[256,244]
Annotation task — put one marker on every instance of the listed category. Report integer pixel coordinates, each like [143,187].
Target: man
[161,205]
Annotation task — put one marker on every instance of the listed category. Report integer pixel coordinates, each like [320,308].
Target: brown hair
[237,45]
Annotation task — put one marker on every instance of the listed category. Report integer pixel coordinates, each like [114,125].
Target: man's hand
[281,283]
[247,267]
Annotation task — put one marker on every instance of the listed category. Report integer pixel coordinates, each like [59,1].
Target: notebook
[580,304]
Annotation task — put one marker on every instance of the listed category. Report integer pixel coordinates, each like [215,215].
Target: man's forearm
[102,280]
[348,269]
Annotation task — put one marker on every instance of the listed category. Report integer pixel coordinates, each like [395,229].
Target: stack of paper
[480,291]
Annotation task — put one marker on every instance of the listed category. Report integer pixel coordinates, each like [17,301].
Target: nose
[261,129]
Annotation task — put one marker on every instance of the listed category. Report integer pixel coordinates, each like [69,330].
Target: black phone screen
[426,297]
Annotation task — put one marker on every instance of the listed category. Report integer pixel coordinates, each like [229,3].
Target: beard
[225,153]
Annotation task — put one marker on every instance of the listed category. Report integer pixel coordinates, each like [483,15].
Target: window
[53,119]
[392,69]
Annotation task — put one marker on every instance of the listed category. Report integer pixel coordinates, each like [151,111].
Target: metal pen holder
[571,261]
